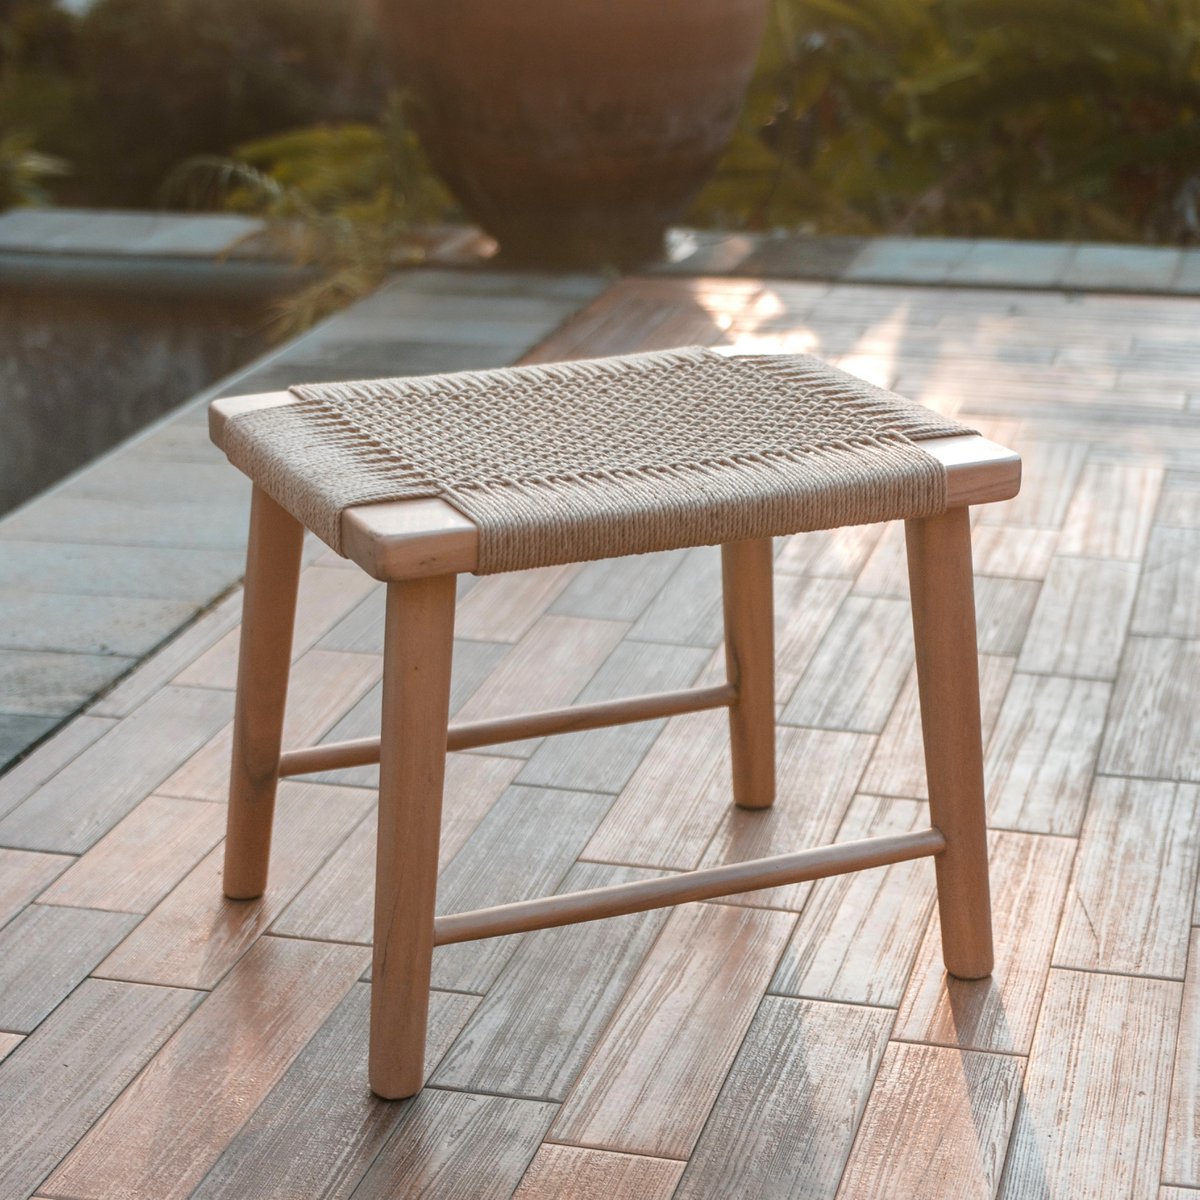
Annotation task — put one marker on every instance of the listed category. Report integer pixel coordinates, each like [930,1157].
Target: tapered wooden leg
[418,645]
[746,575]
[943,603]
[268,614]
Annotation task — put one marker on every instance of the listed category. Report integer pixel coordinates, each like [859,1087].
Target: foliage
[348,199]
[1027,118]
[130,88]
[24,171]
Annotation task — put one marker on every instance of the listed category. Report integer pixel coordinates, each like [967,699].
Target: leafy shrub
[1026,118]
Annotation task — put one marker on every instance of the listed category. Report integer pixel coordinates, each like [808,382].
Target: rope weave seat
[597,458]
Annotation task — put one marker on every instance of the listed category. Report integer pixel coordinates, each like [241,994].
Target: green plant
[24,171]
[348,200]
[1042,118]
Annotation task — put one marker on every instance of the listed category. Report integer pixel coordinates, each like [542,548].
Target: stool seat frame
[418,547]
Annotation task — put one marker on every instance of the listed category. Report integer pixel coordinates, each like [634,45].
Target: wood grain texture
[194,936]
[1093,1109]
[1050,471]
[542,1016]
[656,1071]
[22,780]
[548,668]
[74,1066]
[1003,608]
[818,771]
[854,677]
[23,874]
[1078,627]
[324,683]
[45,952]
[520,850]
[858,934]
[602,760]
[319,1129]
[472,663]
[937,1125]
[504,608]
[897,767]
[325,595]
[8,1043]
[666,815]
[678,809]
[687,609]
[885,573]
[785,1119]
[1111,511]
[82,802]
[1181,1157]
[804,610]
[558,1171]
[170,1126]
[1039,758]
[1129,905]
[337,904]
[142,857]
[1168,599]
[616,589]
[1012,552]
[458,1146]
[1154,721]
[829,553]
[1029,882]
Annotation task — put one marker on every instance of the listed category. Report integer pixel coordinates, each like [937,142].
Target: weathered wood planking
[785,1119]
[337,904]
[857,672]
[324,683]
[45,952]
[937,1125]
[1042,749]
[319,1129]
[458,1146]
[1078,627]
[326,594]
[194,935]
[76,807]
[539,1021]
[1154,721]
[1129,905]
[558,1171]
[23,875]
[77,1062]
[858,934]
[1029,881]
[1111,511]
[142,857]
[1093,1109]
[656,1071]
[167,1129]
[504,608]
[1181,1158]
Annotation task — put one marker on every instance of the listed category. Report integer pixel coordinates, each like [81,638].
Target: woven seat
[418,480]
[598,458]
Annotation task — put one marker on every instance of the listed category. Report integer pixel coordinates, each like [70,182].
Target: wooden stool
[418,546]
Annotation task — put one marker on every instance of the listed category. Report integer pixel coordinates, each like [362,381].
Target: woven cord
[597,458]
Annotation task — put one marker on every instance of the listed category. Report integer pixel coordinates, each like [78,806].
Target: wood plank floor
[157,1041]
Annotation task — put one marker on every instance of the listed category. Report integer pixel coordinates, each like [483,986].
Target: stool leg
[418,645]
[943,604]
[268,614]
[746,577]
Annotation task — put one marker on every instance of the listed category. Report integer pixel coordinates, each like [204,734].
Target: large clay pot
[575,131]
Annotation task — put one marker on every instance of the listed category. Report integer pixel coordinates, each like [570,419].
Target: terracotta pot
[575,131]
